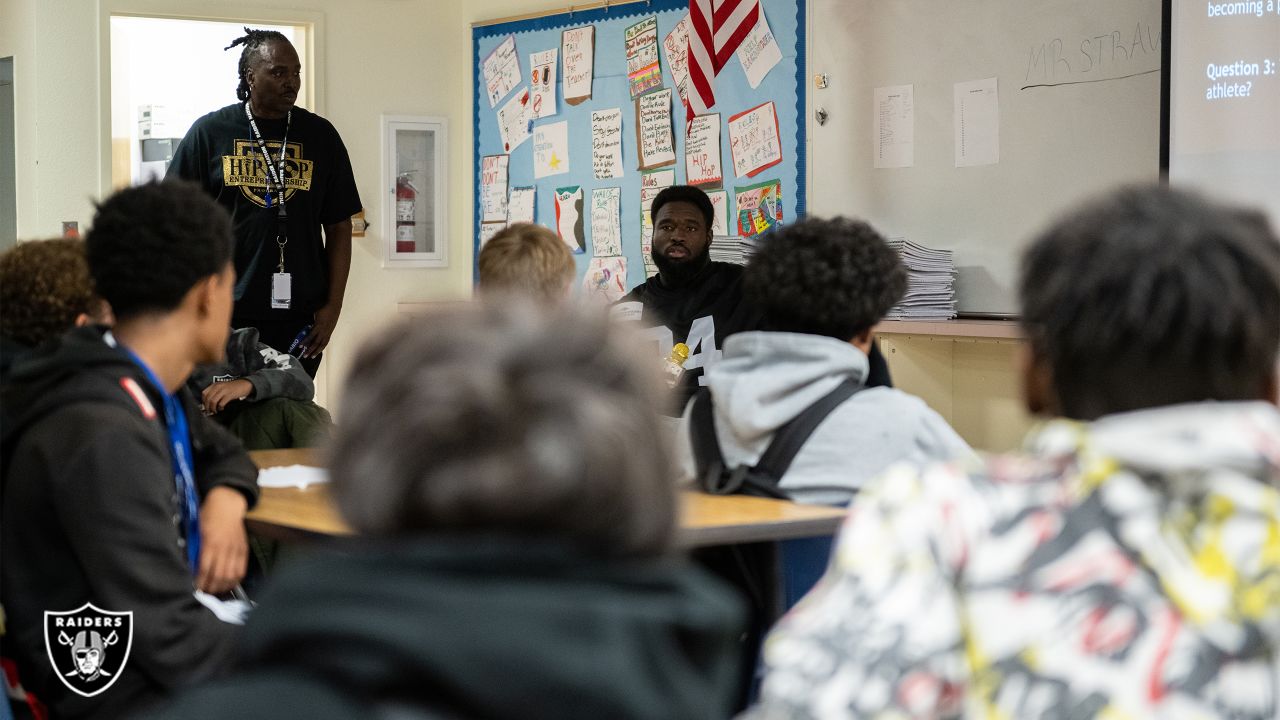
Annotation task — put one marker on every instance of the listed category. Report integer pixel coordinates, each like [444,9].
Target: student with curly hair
[821,286]
[1126,564]
[45,290]
[116,490]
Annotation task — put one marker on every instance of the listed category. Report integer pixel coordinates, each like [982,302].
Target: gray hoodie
[767,378]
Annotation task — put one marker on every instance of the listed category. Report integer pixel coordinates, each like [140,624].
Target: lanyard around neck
[182,459]
[275,171]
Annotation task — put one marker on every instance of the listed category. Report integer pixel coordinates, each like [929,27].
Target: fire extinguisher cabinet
[414,226]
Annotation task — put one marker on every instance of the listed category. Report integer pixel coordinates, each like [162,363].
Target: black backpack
[761,479]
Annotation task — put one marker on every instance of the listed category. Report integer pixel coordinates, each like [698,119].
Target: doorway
[168,72]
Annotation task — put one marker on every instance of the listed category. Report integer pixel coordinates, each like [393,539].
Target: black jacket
[714,299]
[481,628]
[89,508]
[272,373]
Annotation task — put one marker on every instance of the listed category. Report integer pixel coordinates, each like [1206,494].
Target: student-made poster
[577,49]
[655,143]
[606,232]
[520,204]
[759,52]
[501,71]
[551,149]
[719,212]
[542,84]
[606,143]
[489,229]
[514,121]
[702,151]
[754,141]
[759,207]
[643,71]
[606,279]
[493,188]
[569,218]
[676,44]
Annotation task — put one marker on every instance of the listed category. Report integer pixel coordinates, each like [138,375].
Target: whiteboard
[1079,104]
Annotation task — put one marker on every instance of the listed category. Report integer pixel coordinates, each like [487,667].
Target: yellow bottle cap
[680,353]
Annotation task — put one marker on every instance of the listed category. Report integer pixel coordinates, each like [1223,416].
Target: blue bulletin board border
[625,11]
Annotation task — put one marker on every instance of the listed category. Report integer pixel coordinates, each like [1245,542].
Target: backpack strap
[763,478]
[789,438]
[708,459]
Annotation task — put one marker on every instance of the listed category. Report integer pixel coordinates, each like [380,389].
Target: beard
[680,272]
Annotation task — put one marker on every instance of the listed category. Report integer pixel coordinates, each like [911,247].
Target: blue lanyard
[175,418]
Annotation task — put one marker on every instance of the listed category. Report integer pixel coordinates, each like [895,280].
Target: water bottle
[674,364]
[297,341]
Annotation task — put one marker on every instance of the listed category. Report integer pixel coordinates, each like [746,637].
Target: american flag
[717,28]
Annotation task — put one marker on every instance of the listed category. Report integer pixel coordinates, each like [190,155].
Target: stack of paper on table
[931,283]
[732,249]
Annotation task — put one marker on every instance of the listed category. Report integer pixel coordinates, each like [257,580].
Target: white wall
[17,40]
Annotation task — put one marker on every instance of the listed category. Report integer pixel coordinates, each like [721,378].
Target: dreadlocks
[253,41]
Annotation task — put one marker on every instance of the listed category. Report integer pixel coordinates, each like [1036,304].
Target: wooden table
[292,514]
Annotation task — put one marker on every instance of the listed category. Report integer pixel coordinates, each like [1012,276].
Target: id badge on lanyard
[281,281]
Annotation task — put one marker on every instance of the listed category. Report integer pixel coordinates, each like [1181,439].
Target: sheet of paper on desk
[234,612]
[292,476]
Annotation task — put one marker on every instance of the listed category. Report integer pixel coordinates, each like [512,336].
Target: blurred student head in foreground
[1133,544]
[505,467]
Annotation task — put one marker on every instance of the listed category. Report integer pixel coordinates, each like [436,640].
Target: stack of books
[931,283]
[733,249]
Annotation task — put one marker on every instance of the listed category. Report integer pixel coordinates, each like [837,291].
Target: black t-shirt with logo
[221,154]
[702,314]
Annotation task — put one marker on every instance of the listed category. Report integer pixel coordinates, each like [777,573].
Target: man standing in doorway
[283,173]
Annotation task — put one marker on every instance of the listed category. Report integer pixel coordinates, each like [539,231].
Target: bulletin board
[611,87]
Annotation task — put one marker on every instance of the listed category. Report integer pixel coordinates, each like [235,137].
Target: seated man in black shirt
[693,300]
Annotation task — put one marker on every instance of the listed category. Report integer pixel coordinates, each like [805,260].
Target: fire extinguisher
[406,209]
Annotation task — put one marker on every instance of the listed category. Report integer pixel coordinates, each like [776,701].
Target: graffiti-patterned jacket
[1128,567]
[272,373]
